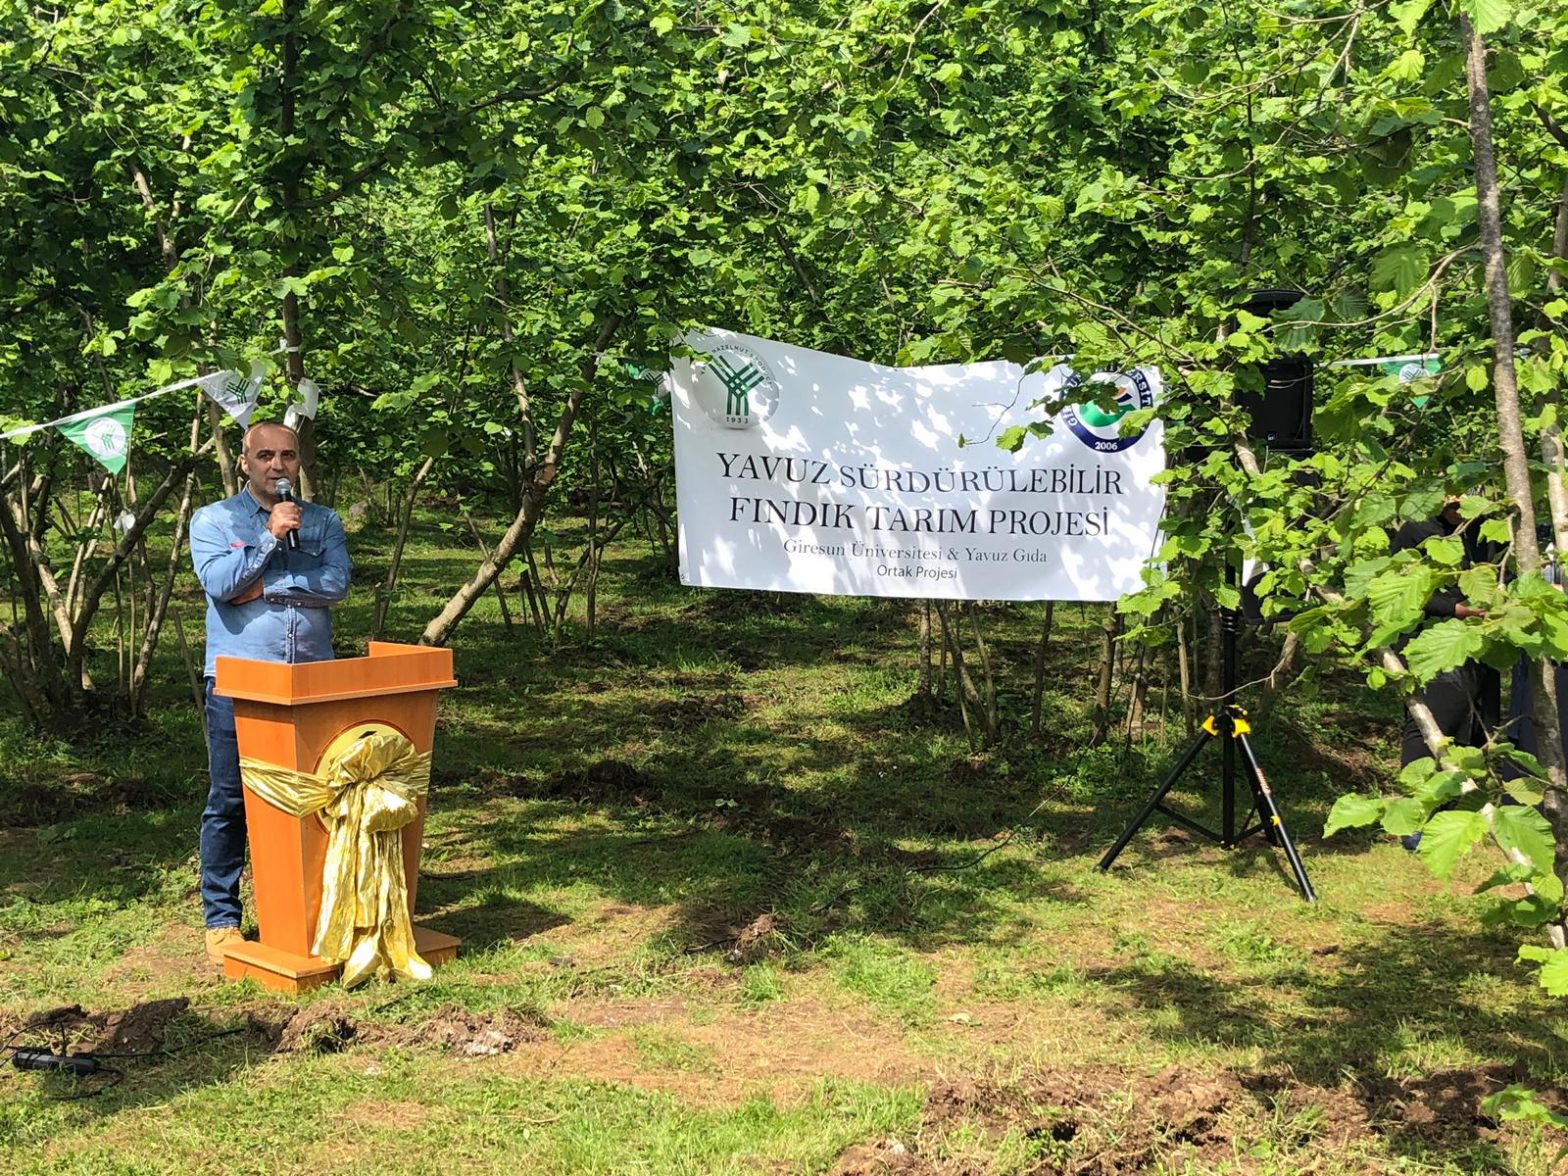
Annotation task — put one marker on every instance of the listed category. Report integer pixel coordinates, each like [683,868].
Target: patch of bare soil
[139,1029]
[1354,765]
[327,1028]
[1444,1107]
[1098,1121]
[887,1157]
[743,944]
[691,711]
[1104,1121]
[608,781]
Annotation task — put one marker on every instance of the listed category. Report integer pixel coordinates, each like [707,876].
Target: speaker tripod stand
[1228,724]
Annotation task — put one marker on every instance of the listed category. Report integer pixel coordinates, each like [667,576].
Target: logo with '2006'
[1101,430]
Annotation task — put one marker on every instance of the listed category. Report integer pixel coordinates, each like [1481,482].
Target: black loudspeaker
[1282,413]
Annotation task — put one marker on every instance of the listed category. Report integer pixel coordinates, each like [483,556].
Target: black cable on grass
[44,1060]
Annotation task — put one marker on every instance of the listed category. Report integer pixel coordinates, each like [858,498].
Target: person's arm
[317,587]
[227,573]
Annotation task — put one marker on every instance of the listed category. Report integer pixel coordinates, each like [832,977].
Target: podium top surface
[390,669]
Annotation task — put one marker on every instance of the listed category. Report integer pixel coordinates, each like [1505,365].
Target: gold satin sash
[369,787]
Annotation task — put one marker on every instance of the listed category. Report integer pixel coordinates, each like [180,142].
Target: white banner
[798,471]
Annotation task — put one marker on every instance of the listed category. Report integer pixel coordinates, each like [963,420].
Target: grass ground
[730,904]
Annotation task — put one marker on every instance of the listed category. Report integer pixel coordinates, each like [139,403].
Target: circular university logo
[105,437]
[1100,430]
[736,387]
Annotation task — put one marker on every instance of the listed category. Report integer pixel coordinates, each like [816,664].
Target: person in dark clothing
[1465,701]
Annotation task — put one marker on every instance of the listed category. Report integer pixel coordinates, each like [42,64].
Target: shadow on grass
[1397,1018]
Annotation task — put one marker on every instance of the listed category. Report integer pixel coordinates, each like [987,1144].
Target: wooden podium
[289,715]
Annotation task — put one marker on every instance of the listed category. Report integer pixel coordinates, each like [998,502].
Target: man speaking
[272,569]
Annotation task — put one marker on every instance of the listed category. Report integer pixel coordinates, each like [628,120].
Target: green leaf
[1448,552]
[1447,836]
[1443,647]
[434,443]
[1399,269]
[1409,14]
[1352,812]
[1400,596]
[1416,773]
[1488,16]
[1554,966]
[1527,831]
[1439,788]
[1478,584]
[1510,876]
[1405,815]
[1497,530]
[1524,790]
[1408,66]
[1521,1103]
[1530,910]
[663,24]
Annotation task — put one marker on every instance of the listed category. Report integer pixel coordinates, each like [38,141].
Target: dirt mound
[608,781]
[140,1029]
[1441,1108]
[322,1028]
[746,944]
[885,1158]
[328,1028]
[692,711]
[1101,1121]
[477,1035]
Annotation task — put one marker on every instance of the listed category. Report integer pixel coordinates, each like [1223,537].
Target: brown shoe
[219,940]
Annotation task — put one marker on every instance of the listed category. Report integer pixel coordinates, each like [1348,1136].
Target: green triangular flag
[105,434]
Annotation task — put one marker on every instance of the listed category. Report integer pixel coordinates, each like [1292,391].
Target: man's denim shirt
[292,620]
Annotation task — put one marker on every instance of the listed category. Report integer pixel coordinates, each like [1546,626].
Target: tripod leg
[1273,822]
[1154,801]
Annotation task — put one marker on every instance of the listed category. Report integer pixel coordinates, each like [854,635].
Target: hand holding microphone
[286,515]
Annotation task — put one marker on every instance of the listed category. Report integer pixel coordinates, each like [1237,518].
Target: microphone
[285,493]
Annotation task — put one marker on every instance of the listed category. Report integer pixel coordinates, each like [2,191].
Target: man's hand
[252,593]
[285,517]
[1464,612]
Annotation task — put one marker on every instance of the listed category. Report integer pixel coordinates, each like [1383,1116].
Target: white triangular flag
[233,393]
[307,406]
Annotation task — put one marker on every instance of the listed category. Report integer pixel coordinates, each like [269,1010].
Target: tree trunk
[404,521]
[1510,431]
[441,626]
[293,340]
[519,384]
[964,687]
[1189,708]
[989,711]
[1039,669]
[159,609]
[1100,726]
[1139,696]
[923,679]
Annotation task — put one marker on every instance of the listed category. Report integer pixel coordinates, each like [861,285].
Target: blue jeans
[223,820]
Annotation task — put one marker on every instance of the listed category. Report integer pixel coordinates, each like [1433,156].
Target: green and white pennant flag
[105,434]
[233,392]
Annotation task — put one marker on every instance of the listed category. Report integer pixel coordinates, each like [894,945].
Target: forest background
[478,227]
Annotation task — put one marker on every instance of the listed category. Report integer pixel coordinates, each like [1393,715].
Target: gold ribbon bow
[369,787]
